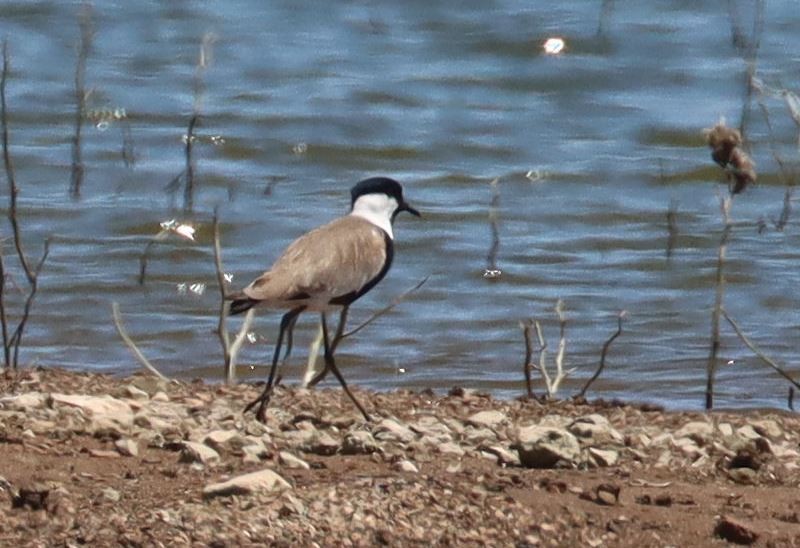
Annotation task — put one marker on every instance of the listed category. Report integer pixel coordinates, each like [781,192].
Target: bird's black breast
[348,298]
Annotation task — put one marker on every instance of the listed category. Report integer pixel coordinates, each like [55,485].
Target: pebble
[546,446]
[263,481]
[127,447]
[193,452]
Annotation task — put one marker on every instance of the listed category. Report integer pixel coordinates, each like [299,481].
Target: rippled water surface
[299,102]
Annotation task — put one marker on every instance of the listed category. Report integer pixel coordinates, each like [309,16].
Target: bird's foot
[262,401]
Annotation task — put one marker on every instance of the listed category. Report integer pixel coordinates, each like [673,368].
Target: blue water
[300,102]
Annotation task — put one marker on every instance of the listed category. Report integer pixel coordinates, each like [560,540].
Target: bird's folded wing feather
[332,260]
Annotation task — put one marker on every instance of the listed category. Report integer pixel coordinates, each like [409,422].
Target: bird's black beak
[405,207]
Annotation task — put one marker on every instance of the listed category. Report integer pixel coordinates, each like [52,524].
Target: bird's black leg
[336,338]
[263,400]
[331,364]
[289,340]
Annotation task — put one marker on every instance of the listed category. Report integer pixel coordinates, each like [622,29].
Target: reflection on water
[590,147]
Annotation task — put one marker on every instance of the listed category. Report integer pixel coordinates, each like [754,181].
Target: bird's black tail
[241,304]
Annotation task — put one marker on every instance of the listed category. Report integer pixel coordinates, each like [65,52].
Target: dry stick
[128,341]
[790,401]
[786,179]
[229,350]
[16,338]
[491,258]
[32,275]
[603,353]
[711,366]
[562,347]
[526,366]
[672,227]
[203,60]
[145,253]
[766,359]
[3,315]
[85,45]
[340,334]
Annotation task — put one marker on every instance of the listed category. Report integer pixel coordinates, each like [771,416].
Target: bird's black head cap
[381,185]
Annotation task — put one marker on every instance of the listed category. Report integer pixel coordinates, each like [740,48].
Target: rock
[150,384]
[127,447]
[320,443]
[450,448]
[477,436]
[359,442]
[545,446]
[404,465]
[743,476]
[595,429]
[291,461]
[263,481]
[698,431]
[132,392]
[735,531]
[432,427]
[198,452]
[604,457]
[223,441]
[24,402]
[391,430]
[748,432]
[725,428]
[104,454]
[504,456]
[487,419]
[767,428]
[111,494]
[102,409]
[160,396]
[254,452]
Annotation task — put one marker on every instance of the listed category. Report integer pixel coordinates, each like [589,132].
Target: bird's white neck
[377,209]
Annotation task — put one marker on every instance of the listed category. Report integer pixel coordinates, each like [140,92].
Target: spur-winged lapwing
[329,268]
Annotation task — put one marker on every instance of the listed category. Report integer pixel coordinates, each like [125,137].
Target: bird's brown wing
[335,259]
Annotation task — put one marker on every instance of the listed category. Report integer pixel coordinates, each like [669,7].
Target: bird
[326,269]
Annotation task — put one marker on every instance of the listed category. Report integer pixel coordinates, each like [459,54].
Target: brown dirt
[364,500]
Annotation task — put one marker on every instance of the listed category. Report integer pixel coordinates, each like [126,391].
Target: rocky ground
[97,460]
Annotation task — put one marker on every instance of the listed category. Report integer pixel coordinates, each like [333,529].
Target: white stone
[198,452]
[101,408]
[127,447]
[544,446]
[263,481]
[391,430]
[487,419]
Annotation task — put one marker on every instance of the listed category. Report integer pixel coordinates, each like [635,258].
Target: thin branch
[115,314]
[13,189]
[766,359]
[719,283]
[526,365]
[397,300]
[492,271]
[16,338]
[229,350]
[606,345]
[672,227]
[541,366]
[562,347]
[146,253]
[3,314]
[84,47]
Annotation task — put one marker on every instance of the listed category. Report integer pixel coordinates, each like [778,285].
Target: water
[309,100]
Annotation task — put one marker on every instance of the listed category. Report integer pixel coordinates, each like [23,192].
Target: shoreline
[94,458]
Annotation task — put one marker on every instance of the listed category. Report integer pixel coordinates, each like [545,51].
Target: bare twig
[719,283]
[764,358]
[146,253]
[551,384]
[12,343]
[388,308]
[84,47]
[526,365]
[313,374]
[3,314]
[229,350]
[606,345]
[672,227]
[790,399]
[115,314]
[203,61]
[492,271]
[16,338]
